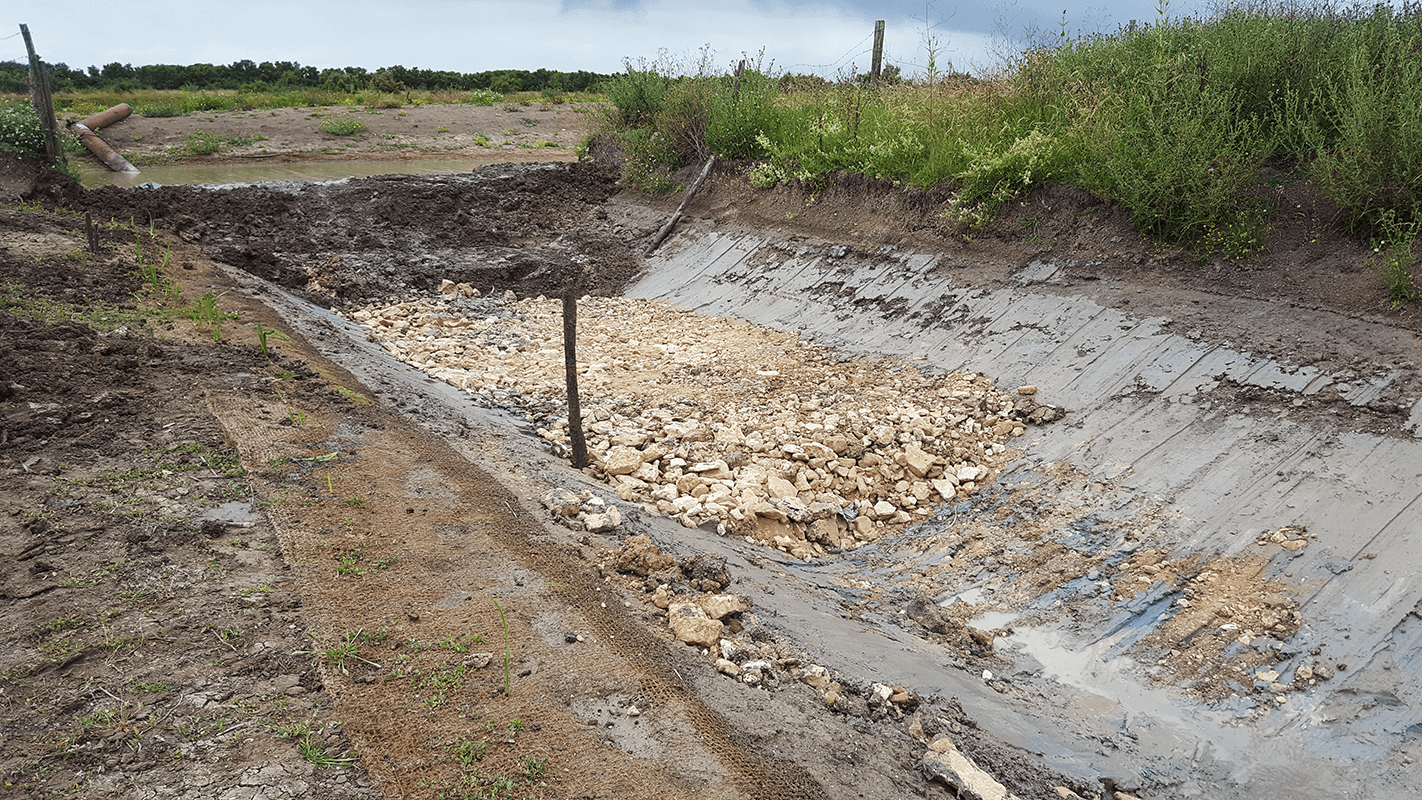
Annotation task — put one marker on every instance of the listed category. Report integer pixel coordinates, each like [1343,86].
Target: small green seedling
[507,651]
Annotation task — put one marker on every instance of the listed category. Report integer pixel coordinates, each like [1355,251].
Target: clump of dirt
[1227,625]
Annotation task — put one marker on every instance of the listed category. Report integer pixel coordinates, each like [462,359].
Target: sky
[826,38]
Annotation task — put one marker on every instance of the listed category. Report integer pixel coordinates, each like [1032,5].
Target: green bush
[20,130]
[159,110]
[736,117]
[485,97]
[637,96]
[342,126]
[385,83]
[202,143]
[192,103]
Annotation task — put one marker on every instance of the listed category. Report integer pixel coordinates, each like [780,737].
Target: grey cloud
[603,5]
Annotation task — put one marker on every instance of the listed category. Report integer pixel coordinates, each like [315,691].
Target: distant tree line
[251,76]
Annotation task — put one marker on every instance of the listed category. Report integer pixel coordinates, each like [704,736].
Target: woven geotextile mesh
[405,554]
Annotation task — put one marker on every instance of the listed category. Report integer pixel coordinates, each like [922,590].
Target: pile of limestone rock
[692,595]
[719,422]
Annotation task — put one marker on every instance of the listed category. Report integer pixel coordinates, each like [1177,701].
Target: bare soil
[503,132]
[235,572]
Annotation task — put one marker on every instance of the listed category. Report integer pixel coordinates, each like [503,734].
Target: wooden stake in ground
[671,223]
[91,233]
[570,361]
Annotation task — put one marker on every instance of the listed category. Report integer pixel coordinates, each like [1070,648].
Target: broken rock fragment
[691,624]
[640,557]
[946,764]
[720,606]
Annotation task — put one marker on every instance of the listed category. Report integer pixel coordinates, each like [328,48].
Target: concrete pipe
[104,119]
[101,149]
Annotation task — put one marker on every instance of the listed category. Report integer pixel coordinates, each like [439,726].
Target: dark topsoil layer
[533,227]
[537,228]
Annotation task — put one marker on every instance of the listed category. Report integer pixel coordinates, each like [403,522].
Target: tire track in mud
[450,494]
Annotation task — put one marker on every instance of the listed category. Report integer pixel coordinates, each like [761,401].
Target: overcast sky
[475,35]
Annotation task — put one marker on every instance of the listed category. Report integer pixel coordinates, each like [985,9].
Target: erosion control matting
[1269,478]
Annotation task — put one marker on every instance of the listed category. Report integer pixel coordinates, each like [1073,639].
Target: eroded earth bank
[874,511]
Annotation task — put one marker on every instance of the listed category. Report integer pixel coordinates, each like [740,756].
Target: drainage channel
[1163,451]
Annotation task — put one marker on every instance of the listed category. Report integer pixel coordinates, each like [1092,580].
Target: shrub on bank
[20,130]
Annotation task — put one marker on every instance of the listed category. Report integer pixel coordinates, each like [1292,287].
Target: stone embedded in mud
[561,502]
[969,472]
[690,624]
[610,519]
[946,764]
[640,557]
[720,606]
[660,597]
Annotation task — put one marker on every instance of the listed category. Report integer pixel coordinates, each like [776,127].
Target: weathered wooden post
[91,233]
[570,362]
[736,87]
[671,223]
[878,49]
[41,98]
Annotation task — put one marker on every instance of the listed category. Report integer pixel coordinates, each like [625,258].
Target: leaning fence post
[671,223]
[41,98]
[570,362]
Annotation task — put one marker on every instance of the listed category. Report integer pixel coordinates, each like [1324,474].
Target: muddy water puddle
[259,171]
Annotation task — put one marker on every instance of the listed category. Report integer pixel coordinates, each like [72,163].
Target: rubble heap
[717,421]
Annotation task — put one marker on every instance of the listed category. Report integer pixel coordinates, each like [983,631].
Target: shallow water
[94,177]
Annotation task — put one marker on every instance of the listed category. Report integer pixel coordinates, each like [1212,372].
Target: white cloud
[476,35]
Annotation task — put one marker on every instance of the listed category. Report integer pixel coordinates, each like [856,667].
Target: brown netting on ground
[401,547]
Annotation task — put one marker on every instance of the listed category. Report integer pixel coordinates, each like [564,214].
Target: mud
[534,227]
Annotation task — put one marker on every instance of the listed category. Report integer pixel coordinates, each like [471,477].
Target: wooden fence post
[878,49]
[41,98]
[570,363]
